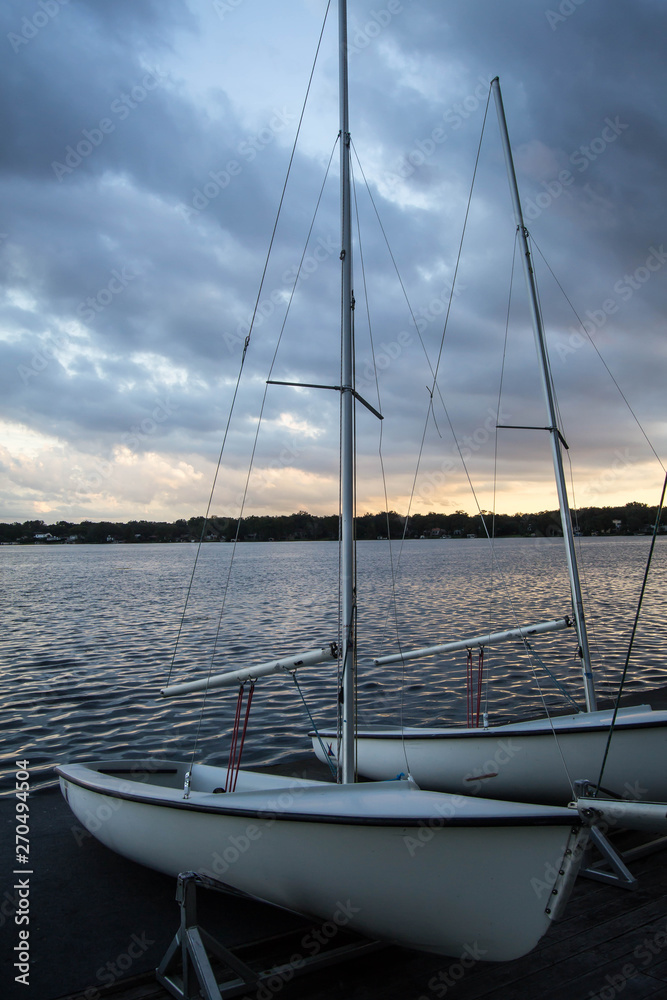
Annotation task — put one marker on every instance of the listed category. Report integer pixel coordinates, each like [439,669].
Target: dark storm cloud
[144,148]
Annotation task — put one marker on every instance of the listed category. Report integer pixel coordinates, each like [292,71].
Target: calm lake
[89,634]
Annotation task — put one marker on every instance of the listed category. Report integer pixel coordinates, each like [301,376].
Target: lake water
[89,633]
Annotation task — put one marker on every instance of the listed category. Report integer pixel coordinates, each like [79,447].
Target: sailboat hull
[439,873]
[537,761]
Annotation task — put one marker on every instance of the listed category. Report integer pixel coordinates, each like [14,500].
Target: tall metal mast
[547,388]
[348,595]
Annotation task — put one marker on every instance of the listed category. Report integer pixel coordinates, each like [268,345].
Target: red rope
[474,704]
[245,726]
[235,736]
[480,678]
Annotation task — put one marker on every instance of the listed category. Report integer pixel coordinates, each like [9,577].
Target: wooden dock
[612,942]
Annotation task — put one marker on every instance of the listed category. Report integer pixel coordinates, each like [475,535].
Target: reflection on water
[89,635]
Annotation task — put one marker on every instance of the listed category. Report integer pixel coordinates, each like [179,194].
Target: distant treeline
[632,519]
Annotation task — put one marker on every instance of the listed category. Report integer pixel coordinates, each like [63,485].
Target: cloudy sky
[145,146]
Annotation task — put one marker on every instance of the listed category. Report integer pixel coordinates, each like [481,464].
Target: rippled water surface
[89,634]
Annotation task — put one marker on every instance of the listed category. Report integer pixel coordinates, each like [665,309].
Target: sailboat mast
[547,388]
[347,582]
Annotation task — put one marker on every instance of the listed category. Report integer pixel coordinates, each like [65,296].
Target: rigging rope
[233,405]
[326,753]
[236,748]
[393,260]
[431,412]
[480,677]
[256,438]
[435,388]
[434,371]
[534,655]
[474,688]
[560,429]
[235,735]
[656,528]
[597,351]
[392,567]
[501,382]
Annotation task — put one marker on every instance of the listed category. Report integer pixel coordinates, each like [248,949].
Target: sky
[145,149]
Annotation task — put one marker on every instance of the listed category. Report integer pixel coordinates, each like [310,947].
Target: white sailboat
[428,870]
[537,760]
